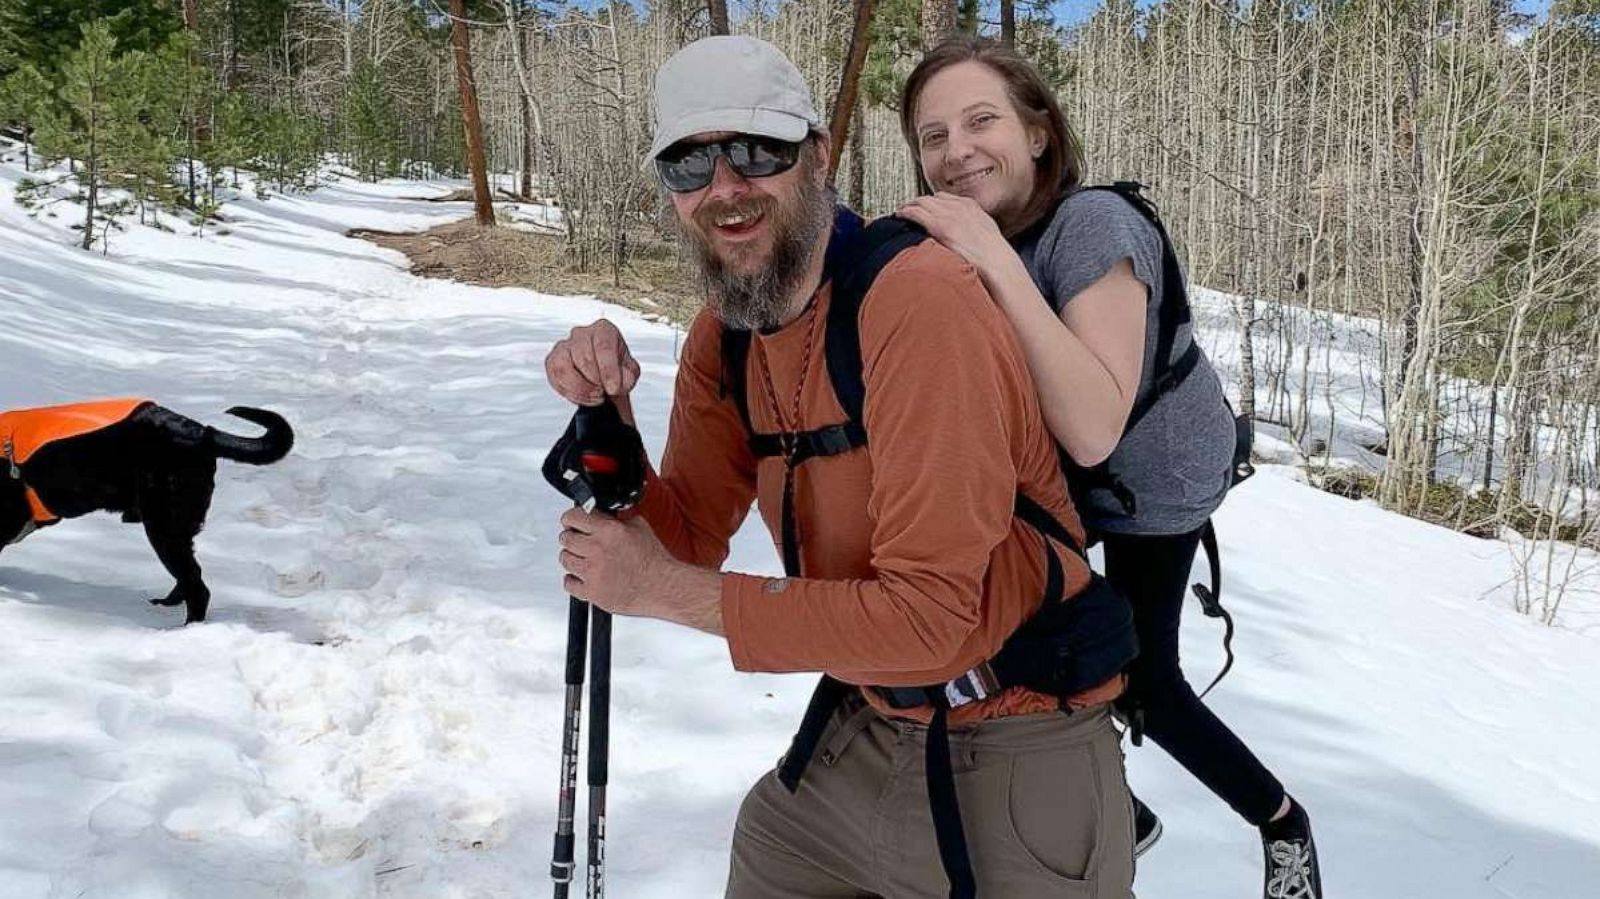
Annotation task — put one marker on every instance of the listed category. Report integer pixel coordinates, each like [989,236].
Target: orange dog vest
[24,431]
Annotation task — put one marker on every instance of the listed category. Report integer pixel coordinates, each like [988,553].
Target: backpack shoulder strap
[853,274]
[735,350]
[1173,312]
[856,255]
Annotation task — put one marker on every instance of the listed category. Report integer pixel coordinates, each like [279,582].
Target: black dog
[150,464]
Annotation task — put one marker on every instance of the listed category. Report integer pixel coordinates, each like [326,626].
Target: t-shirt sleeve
[1092,232]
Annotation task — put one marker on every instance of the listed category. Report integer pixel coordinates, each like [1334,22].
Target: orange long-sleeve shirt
[914,567]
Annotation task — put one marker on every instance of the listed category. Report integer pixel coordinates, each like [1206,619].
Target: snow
[373,709]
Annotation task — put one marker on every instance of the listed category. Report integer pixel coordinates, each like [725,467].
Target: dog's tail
[263,450]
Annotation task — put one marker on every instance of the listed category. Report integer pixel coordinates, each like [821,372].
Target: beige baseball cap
[730,83]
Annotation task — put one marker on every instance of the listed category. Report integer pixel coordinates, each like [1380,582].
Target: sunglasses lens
[686,168]
[758,157]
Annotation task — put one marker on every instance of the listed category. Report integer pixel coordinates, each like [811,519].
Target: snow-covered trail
[373,709]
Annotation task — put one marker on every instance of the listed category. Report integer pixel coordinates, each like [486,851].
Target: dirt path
[510,257]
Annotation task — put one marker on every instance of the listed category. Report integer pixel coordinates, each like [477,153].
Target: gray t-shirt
[1177,460]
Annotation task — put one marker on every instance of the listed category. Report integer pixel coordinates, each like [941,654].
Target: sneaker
[1292,870]
[1146,828]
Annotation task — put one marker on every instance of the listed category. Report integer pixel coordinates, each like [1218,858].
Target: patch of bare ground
[462,251]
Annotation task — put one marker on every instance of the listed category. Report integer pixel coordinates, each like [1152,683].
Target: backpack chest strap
[832,440]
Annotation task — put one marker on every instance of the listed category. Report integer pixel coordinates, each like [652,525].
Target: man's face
[754,237]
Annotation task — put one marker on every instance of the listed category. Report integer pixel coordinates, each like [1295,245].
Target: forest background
[1429,168]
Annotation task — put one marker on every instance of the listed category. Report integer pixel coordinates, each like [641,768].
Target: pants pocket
[1054,812]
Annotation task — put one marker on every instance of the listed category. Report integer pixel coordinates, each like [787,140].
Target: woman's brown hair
[1057,170]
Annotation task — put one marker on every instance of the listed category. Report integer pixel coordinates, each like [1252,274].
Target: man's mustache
[706,216]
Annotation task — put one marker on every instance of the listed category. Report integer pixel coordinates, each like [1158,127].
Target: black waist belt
[1064,649]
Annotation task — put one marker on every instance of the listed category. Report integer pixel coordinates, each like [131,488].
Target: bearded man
[910,556]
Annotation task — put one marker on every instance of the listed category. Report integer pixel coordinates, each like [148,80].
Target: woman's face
[972,141]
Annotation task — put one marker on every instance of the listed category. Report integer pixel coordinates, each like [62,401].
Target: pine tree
[233,137]
[88,76]
[287,146]
[144,133]
[25,100]
[192,91]
[371,127]
[46,32]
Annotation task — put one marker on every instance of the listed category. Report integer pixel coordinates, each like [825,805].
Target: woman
[1079,275]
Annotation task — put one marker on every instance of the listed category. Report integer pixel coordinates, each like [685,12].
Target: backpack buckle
[976,685]
[830,441]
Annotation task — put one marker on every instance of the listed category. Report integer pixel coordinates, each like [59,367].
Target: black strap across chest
[856,255]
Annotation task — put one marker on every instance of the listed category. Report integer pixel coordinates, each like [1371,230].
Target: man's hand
[591,363]
[622,568]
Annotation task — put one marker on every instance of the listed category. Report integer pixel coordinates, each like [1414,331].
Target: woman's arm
[1085,364]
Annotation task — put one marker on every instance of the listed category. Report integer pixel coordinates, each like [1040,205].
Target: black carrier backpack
[1174,312]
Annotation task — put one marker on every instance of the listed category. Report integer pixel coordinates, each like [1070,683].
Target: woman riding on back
[1079,274]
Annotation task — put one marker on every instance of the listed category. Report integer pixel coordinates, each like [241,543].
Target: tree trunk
[858,160]
[350,38]
[91,169]
[529,137]
[535,151]
[938,22]
[719,15]
[844,104]
[1488,444]
[482,206]
[1008,22]
[232,77]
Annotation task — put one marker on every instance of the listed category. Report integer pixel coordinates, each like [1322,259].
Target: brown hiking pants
[1043,801]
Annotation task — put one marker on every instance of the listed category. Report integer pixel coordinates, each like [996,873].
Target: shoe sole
[1142,846]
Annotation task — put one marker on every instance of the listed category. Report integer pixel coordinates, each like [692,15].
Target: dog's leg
[174,546]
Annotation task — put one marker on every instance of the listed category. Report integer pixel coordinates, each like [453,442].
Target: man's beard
[761,299]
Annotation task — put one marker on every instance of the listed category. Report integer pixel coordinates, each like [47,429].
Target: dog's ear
[14,512]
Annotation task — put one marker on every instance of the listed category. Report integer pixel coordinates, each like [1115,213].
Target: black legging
[1153,573]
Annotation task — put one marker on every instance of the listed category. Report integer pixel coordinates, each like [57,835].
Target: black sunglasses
[684,167]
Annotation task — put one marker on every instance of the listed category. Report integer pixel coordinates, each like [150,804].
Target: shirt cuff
[738,591]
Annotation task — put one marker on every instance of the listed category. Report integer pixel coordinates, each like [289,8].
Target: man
[908,563]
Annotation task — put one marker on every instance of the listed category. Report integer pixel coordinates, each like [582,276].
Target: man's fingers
[583,356]
[573,563]
[565,377]
[575,519]
[582,545]
[590,533]
[630,373]
[609,351]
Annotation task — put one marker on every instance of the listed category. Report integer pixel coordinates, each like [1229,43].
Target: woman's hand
[961,225]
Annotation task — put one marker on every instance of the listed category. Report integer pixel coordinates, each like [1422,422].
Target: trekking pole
[599,464]
[599,747]
[561,865]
